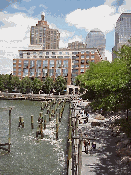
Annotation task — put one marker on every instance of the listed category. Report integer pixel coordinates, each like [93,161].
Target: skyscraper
[42,35]
[96,39]
[122,31]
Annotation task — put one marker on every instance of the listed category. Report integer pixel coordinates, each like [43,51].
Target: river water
[29,155]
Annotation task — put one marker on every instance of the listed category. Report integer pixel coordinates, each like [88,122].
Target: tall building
[76,45]
[42,35]
[95,38]
[39,61]
[122,31]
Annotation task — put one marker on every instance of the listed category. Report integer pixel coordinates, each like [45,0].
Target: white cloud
[108,54]
[14,35]
[42,5]
[126,7]
[103,17]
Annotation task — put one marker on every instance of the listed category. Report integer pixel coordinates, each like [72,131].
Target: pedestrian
[93,145]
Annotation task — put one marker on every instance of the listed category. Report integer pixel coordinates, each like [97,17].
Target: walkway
[103,160]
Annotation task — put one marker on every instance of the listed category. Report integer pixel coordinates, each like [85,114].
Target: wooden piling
[32,123]
[9,139]
[50,116]
[57,126]
[21,122]
[80,155]
[45,121]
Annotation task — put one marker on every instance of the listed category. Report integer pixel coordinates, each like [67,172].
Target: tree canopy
[108,84]
[59,84]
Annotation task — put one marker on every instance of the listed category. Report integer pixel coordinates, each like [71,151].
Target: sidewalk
[103,160]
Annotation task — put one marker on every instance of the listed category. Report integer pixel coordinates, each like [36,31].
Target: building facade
[122,31]
[42,35]
[53,63]
[76,45]
[43,57]
[96,38]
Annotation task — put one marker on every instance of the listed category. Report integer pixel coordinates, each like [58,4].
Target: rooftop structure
[42,35]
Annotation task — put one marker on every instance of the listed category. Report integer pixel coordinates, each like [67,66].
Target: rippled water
[29,155]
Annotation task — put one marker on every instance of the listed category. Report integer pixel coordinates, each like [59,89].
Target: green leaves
[108,83]
[60,84]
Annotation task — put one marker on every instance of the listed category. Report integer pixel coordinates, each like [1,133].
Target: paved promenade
[103,160]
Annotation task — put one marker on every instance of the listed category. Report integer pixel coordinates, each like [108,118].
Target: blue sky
[73,18]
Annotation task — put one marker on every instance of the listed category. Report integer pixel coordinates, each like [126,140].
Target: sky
[73,18]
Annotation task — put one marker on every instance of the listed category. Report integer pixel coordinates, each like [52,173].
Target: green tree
[15,83]
[105,83]
[36,85]
[48,85]
[60,84]
[25,85]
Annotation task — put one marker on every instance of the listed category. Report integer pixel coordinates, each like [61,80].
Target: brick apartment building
[41,60]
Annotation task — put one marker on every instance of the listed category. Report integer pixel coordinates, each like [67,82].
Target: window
[82,61]
[19,65]
[51,63]
[82,65]
[32,63]
[14,65]
[74,53]
[38,63]
[40,40]
[65,63]
[92,52]
[25,72]
[28,53]
[60,57]
[65,72]
[73,57]
[82,70]
[66,56]
[58,63]
[92,56]
[32,72]
[47,53]
[53,56]
[21,54]
[87,61]
[67,53]
[87,66]
[58,72]
[87,52]
[51,72]
[19,61]
[41,53]
[19,69]
[40,56]
[60,53]
[38,72]
[87,56]
[14,69]
[92,60]
[82,52]
[44,72]
[53,53]
[46,56]
[45,63]
[82,56]
[19,73]
[25,63]
[14,61]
